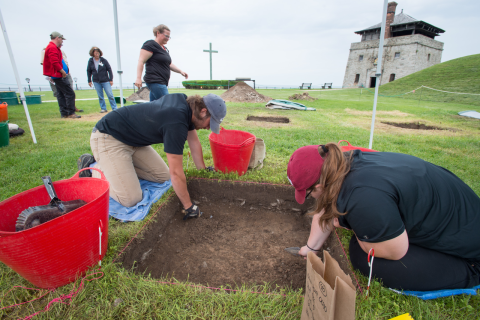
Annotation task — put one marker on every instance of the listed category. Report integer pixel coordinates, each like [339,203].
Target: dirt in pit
[302,96]
[92,117]
[240,239]
[417,126]
[269,119]
[142,94]
[242,92]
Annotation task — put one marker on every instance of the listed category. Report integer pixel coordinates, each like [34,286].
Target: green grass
[457,75]
[340,115]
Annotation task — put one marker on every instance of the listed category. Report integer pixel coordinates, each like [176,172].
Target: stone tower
[409,46]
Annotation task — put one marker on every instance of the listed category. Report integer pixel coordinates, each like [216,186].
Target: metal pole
[210,61]
[15,71]
[118,51]
[379,69]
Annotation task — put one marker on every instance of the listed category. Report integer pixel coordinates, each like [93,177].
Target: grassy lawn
[457,75]
[340,115]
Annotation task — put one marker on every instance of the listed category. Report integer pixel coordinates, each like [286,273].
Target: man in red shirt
[55,67]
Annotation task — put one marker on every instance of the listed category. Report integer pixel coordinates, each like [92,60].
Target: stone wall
[414,53]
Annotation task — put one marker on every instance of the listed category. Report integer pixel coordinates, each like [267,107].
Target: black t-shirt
[387,193]
[157,68]
[166,120]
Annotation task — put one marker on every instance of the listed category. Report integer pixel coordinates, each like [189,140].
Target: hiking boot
[103,111]
[73,116]
[85,161]
[78,110]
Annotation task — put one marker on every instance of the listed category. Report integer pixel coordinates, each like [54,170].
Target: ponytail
[334,170]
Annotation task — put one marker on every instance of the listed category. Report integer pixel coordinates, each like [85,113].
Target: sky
[274,42]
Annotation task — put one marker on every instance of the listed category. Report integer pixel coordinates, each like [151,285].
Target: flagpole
[379,70]
[15,71]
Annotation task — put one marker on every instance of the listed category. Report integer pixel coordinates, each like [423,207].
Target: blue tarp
[470,114]
[152,192]
[429,295]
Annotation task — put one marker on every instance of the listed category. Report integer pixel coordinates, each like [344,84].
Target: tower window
[397,55]
[428,58]
[360,58]
[392,77]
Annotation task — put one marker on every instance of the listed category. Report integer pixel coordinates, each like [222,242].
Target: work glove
[211,169]
[192,212]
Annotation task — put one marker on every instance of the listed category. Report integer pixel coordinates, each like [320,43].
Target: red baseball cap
[304,169]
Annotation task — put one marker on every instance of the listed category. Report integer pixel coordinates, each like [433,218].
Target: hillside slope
[457,75]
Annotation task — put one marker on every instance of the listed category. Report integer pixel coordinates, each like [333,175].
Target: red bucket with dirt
[56,252]
[349,147]
[231,150]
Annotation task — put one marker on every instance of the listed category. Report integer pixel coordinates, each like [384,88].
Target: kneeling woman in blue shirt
[422,221]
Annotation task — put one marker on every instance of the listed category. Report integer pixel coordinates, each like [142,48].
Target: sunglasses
[308,194]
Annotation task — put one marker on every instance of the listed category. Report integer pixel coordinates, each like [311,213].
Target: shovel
[294,251]
[34,216]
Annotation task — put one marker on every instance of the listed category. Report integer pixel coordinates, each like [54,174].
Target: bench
[307,85]
[327,85]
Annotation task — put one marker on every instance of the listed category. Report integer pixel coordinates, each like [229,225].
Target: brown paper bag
[329,292]
[258,154]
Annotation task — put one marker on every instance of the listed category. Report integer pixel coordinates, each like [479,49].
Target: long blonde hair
[334,170]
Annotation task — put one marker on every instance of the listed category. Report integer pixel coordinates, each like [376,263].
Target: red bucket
[54,253]
[350,147]
[231,150]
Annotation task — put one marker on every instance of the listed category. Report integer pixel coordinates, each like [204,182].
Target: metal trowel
[34,216]
[294,251]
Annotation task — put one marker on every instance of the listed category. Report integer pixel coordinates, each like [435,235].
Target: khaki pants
[123,165]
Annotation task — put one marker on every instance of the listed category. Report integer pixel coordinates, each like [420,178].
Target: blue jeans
[108,90]
[157,90]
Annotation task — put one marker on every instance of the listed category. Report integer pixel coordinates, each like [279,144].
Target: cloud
[274,42]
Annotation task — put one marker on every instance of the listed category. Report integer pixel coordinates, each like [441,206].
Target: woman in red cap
[422,221]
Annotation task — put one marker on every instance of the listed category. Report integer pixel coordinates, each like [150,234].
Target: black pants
[419,270]
[65,96]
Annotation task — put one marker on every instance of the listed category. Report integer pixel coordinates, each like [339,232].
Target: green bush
[208,84]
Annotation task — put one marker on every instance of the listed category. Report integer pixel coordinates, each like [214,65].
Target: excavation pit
[269,119]
[240,238]
[417,126]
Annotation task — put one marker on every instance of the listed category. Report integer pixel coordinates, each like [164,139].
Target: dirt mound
[142,94]
[242,92]
[302,96]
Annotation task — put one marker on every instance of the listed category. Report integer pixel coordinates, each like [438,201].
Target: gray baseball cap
[218,110]
[56,34]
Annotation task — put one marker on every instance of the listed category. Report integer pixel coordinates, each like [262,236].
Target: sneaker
[85,161]
[78,110]
[73,116]
[103,111]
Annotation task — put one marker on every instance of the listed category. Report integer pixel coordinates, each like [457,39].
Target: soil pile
[302,96]
[142,94]
[242,92]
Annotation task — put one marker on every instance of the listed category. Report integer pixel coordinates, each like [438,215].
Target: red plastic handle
[344,141]
[248,141]
[76,175]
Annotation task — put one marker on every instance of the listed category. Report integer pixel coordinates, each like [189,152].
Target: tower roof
[403,21]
